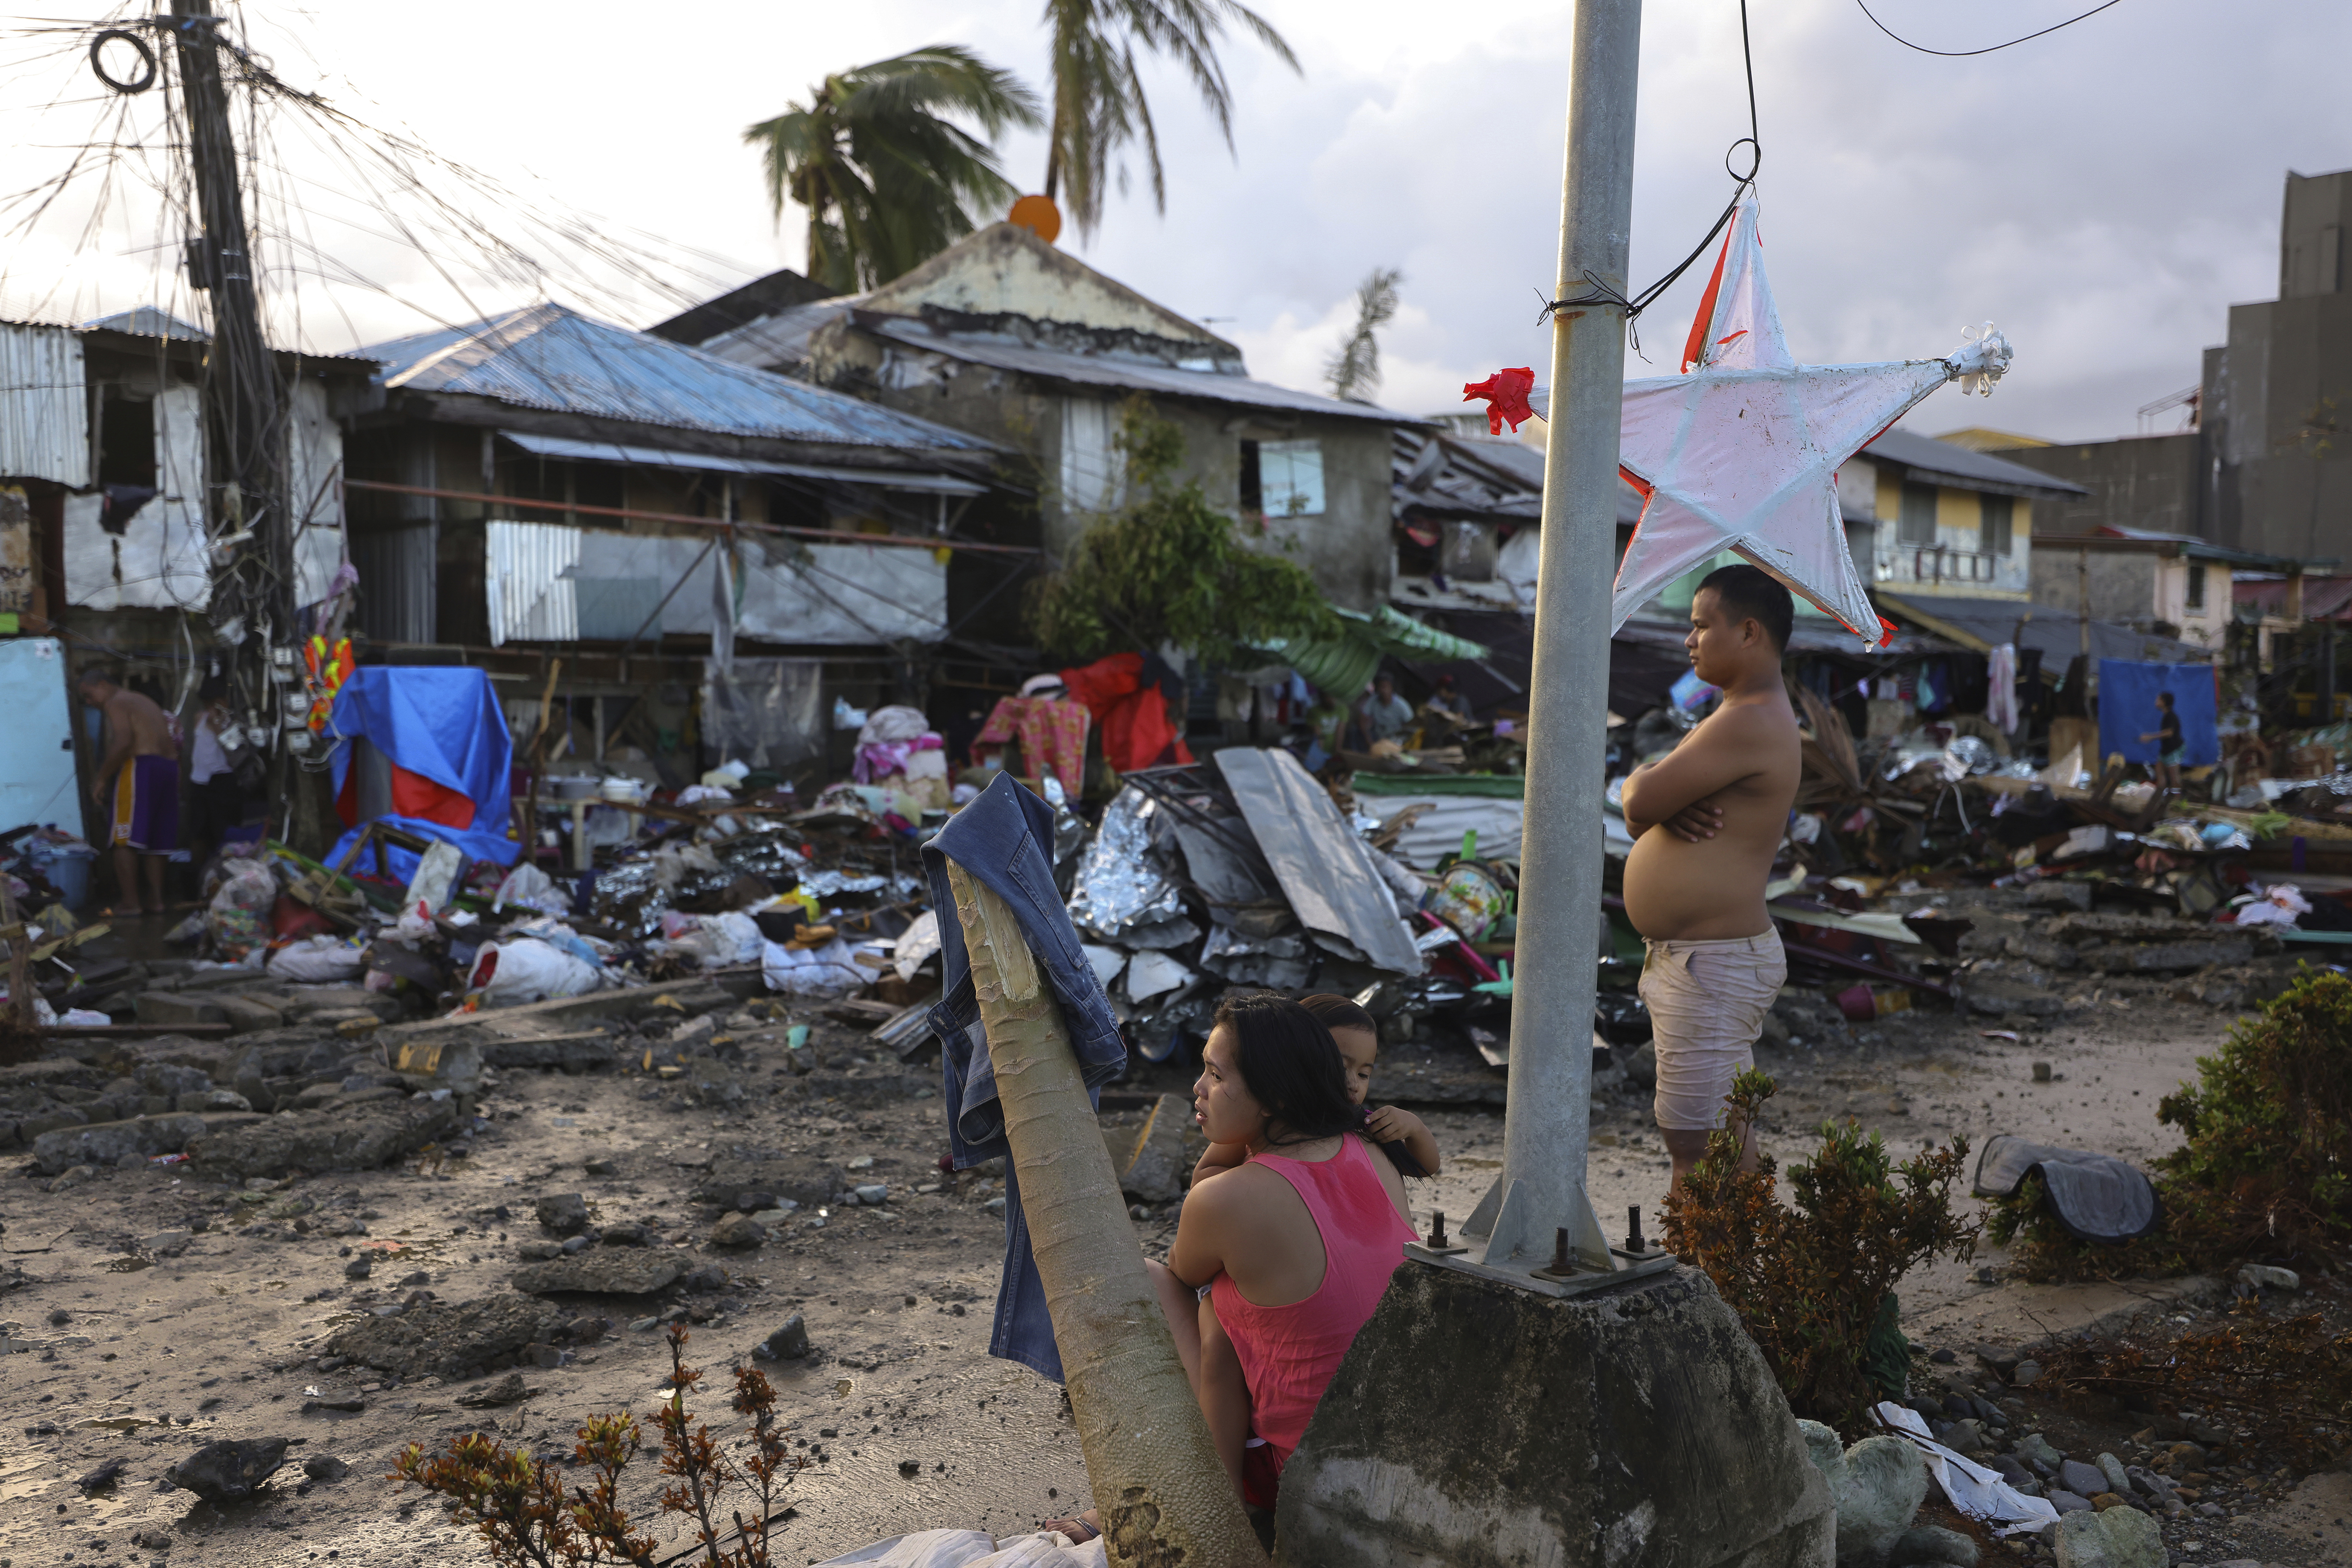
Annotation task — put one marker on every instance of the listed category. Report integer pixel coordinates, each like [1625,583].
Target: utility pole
[244,415]
[1548,1117]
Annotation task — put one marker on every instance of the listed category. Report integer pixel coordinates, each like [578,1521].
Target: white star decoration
[1741,451]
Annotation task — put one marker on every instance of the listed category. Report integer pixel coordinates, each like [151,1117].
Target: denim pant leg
[1024,1329]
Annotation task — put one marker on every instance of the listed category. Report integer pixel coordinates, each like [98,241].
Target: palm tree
[885,174]
[1099,101]
[1354,371]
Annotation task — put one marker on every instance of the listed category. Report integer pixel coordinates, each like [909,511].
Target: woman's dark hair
[1284,1049]
[1339,1012]
[1290,1065]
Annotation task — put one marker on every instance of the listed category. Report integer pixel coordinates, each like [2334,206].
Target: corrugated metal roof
[1942,460]
[664,458]
[773,343]
[43,406]
[1128,375]
[550,357]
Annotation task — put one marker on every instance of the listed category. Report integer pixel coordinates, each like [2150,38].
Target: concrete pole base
[1475,1424]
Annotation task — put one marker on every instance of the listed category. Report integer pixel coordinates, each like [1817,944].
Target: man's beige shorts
[1708,1002]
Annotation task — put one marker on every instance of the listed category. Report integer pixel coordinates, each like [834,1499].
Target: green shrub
[2266,1167]
[1813,1284]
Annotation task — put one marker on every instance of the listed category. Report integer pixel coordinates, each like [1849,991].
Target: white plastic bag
[972,1549]
[531,888]
[436,878]
[526,969]
[826,972]
[317,961]
[714,941]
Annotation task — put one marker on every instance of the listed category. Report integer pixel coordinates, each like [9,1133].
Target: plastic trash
[972,1549]
[531,888]
[238,915]
[845,717]
[436,881]
[527,969]
[826,971]
[317,961]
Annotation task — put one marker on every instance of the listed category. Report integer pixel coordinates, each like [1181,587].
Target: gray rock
[630,1235]
[790,1343]
[110,1143]
[2118,1480]
[2088,1481]
[601,1270]
[2029,1373]
[345,1138]
[2065,1501]
[538,1251]
[2259,1275]
[223,1472]
[1931,1543]
[244,1015]
[166,1243]
[1886,1480]
[327,1468]
[359,1267]
[2011,1471]
[431,1340]
[570,1245]
[873,1194]
[738,1230]
[2119,1538]
[1152,1167]
[2055,894]
[2167,957]
[173,1007]
[106,1474]
[562,1213]
[2035,1449]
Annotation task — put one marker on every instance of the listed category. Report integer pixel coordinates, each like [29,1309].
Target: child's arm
[1220,1157]
[1391,1125]
[1224,1393]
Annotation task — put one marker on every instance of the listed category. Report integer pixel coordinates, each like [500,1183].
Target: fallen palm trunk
[1163,1495]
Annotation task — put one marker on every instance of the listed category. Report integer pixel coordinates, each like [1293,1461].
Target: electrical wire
[1967,54]
[1597,291]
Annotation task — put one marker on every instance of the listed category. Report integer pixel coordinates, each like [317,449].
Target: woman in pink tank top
[1296,1243]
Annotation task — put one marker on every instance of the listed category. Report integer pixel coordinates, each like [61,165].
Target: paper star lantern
[1741,451]
[1506,393]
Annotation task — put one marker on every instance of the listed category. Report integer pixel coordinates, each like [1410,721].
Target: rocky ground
[248,1292]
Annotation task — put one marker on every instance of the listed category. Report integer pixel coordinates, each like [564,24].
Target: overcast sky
[2103,194]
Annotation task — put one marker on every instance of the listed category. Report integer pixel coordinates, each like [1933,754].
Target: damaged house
[699,539]
[103,480]
[1024,345]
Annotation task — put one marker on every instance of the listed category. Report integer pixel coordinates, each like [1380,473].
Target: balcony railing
[1940,563]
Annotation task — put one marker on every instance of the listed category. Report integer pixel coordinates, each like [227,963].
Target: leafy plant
[531,1517]
[1172,568]
[878,158]
[1099,106]
[2286,1380]
[1810,1282]
[2266,1167]
[1354,371]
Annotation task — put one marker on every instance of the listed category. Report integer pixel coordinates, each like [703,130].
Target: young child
[1223,1392]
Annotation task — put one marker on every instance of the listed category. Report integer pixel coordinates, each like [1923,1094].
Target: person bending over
[138,781]
[1296,1245]
[1707,818]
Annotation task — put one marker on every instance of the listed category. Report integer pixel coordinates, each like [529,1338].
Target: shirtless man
[137,785]
[1707,818]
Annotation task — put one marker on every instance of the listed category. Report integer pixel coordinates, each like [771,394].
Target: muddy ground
[141,1349]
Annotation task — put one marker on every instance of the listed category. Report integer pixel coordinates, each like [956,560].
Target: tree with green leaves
[1170,568]
[1354,371]
[881,161]
[1099,108]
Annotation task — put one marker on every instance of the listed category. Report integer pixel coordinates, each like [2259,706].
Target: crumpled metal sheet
[1122,883]
[1322,866]
[833,884]
[1280,962]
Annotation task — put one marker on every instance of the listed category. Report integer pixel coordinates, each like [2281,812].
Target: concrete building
[2170,585]
[1024,345]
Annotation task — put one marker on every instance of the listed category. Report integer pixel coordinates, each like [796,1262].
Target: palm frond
[1354,371]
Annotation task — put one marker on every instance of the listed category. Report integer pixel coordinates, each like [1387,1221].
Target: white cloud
[2103,194]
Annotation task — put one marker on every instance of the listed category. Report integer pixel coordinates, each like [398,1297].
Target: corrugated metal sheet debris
[664,458]
[43,406]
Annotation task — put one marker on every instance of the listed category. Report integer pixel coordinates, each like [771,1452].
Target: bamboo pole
[1163,1494]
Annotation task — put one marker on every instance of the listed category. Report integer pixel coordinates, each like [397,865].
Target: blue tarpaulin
[2127,711]
[443,725]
